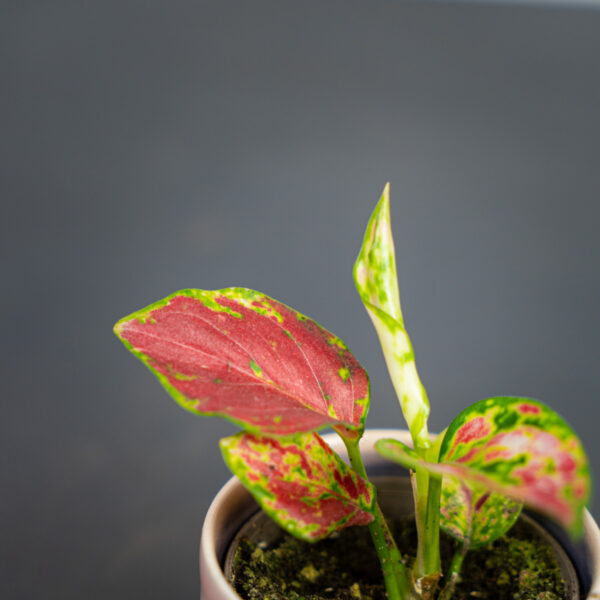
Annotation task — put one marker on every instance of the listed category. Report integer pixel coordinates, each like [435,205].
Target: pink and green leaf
[470,513]
[474,514]
[515,447]
[239,354]
[300,482]
[377,283]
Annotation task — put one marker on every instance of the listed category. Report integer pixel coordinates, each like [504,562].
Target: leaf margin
[345,429]
[263,496]
[393,450]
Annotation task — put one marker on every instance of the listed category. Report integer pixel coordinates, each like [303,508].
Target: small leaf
[377,283]
[300,483]
[474,514]
[516,447]
[239,354]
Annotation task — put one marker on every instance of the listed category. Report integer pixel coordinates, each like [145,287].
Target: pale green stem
[420,484]
[394,572]
[431,554]
[426,492]
[398,567]
[454,573]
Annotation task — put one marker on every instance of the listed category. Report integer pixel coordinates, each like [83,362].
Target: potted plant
[238,354]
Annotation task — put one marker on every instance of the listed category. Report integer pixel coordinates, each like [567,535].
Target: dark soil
[345,567]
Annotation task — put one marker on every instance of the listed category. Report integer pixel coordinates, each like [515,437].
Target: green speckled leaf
[239,354]
[474,513]
[516,447]
[300,483]
[377,284]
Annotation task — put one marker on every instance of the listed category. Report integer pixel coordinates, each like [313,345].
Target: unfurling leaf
[300,483]
[377,284]
[239,354]
[516,447]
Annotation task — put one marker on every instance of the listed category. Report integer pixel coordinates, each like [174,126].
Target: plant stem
[431,552]
[398,568]
[420,486]
[394,572]
[454,573]
[426,492]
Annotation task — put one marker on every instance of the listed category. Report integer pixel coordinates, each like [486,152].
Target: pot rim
[234,496]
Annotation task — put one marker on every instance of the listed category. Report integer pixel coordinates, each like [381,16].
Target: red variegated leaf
[239,354]
[516,447]
[300,482]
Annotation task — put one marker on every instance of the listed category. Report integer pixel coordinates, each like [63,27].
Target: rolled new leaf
[239,354]
[300,483]
[377,283]
[516,447]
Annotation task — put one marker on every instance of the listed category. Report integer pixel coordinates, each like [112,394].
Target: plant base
[269,564]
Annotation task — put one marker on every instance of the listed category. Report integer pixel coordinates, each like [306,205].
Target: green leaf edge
[412,461]
[233,293]
[461,418]
[259,493]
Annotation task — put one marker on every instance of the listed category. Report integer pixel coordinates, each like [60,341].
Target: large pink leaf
[300,482]
[240,354]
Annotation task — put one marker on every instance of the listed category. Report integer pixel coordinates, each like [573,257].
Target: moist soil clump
[518,566]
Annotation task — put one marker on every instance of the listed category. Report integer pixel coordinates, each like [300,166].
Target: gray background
[151,146]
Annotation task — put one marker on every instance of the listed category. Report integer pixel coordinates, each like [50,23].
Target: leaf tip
[385,195]
[383,206]
[118,328]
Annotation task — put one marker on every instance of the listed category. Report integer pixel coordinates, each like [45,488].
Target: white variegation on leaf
[377,283]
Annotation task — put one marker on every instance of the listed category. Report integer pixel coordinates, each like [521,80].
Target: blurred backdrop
[151,146]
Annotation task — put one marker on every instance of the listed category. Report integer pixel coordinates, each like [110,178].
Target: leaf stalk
[394,571]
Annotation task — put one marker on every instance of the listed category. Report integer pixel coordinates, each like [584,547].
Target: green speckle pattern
[376,282]
[524,445]
[239,354]
[300,483]
[512,446]
[257,370]
[474,515]
[344,374]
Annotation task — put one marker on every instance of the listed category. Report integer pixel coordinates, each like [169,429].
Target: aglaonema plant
[239,354]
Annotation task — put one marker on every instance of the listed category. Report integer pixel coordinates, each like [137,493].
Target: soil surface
[345,567]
